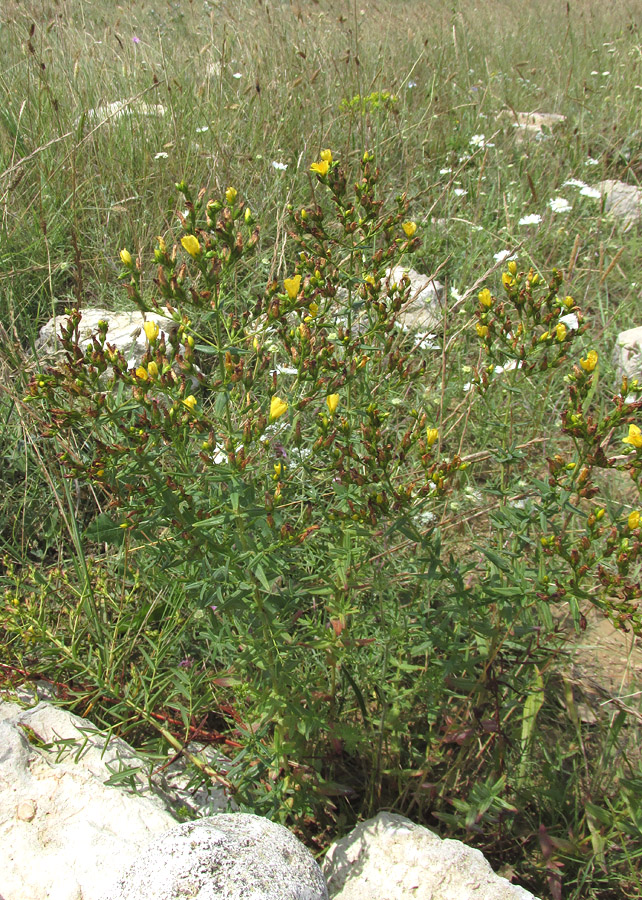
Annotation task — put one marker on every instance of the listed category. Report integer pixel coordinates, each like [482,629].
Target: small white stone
[26,811]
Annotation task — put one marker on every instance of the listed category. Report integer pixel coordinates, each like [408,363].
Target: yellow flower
[279,468]
[152,369]
[162,246]
[590,362]
[277,408]
[482,330]
[230,196]
[190,402]
[292,286]
[141,372]
[151,330]
[545,336]
[512,267]
[560,331]
[321,168]
[485,298]
[313,309]
[326,155]
[333,401]
[191,245]
[634,437]
[569,302]
[507,280]
[431,436]
[634,519]
[409,229]
[126,257]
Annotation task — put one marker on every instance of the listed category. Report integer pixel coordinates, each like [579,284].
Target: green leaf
[103,530]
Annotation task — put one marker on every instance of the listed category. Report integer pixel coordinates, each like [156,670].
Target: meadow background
[250,97]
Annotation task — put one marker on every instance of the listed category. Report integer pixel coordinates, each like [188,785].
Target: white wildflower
[532,219]
[559,205]
[281,167]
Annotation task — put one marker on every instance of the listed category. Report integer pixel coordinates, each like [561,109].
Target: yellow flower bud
[321,168]
[326,155]
[512,267]
[569,302]
[431,436]
[292,286]
[409,229]
[277,408]
[162,246]
[247,215]
[545,336]
[151,330]
[141,373]
[590,362]
[278,469]
[485,298]
[634,519]
[191,245]
[634,437]
[369,279]
[482,330]
[152,369]
[126,257]
[560,331]
[332,401]
[230,196]
[255,343]
[190,402]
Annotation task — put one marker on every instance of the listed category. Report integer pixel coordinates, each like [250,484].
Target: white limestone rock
[125,332]
[628,353]
[532,126]
[236,857]
[621,201]
[63,832]
[389,857]
[119,109]
[423,311]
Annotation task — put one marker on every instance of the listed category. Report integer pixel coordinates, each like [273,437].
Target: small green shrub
[289,507]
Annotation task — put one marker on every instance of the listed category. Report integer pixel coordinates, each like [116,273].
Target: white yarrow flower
[161,155]
[281,167]
[559,205]
[532,219]
[591,192]
[504,256]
